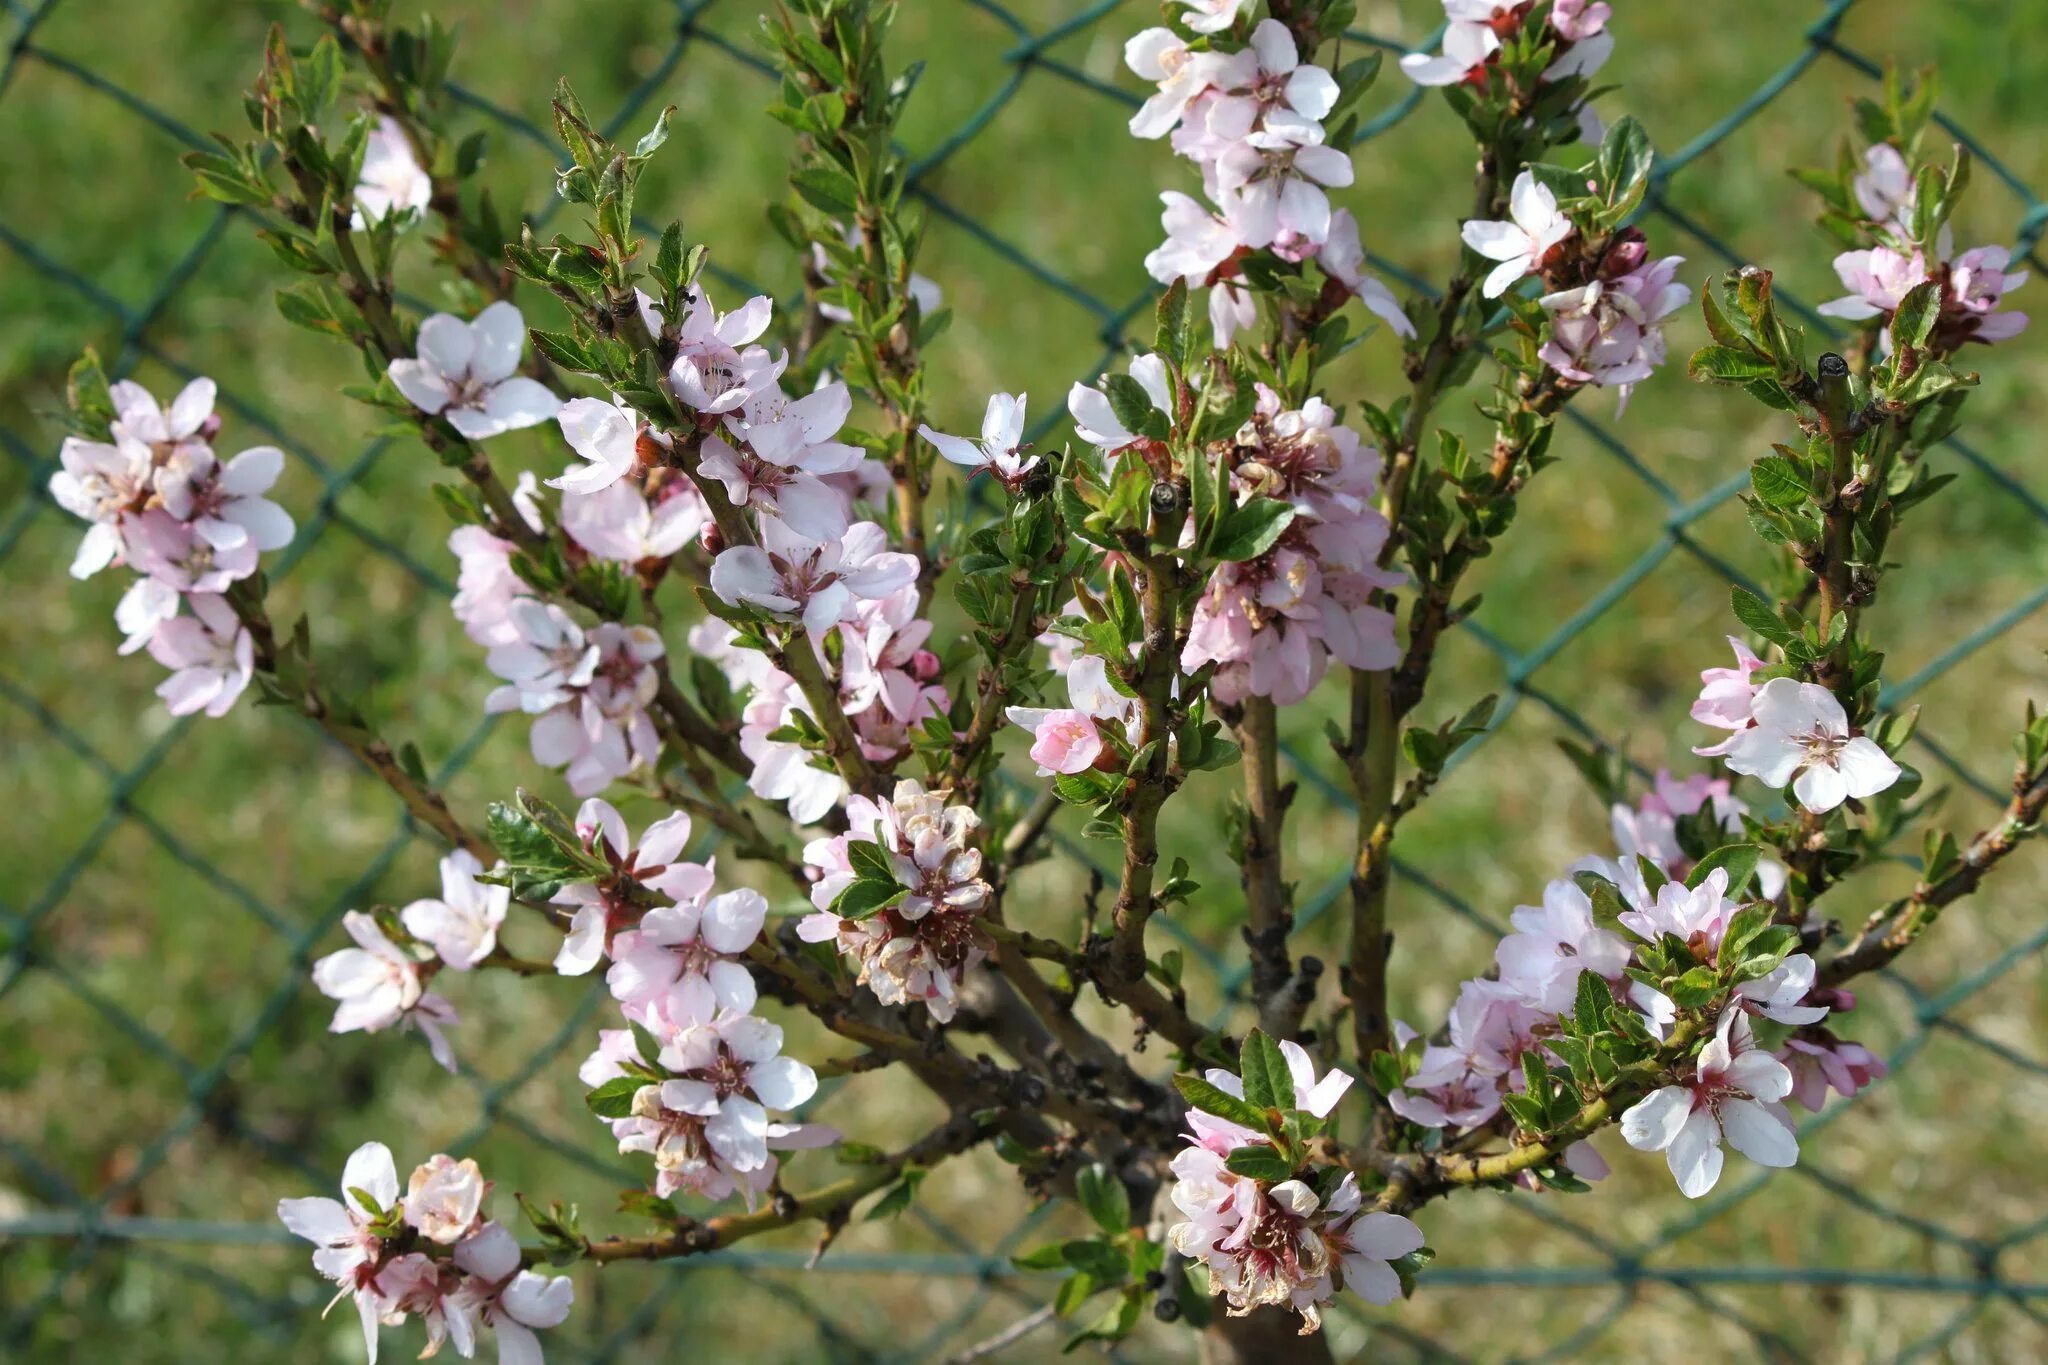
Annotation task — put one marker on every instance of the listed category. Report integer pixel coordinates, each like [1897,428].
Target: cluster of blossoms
[1282,1242]
[1973,283]
[1252,122]
[1272,624]
[923,942]
[699,1105]
[189,524]
[1458,1082]
[1607,309]
[429,1253]
[1474,29]
[382,982]
[1788,731]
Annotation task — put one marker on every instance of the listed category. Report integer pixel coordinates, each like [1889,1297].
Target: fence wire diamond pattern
[89,1223]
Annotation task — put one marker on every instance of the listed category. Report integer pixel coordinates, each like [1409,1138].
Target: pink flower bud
[1066,742]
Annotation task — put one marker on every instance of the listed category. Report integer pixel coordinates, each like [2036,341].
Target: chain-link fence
[59,1231]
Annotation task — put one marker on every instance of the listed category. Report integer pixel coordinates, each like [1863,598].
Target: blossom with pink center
[1273,99]
[1067,739]
[512,1301]
[1978,282]
[655,863]
[1362,1245]
[462,926]
[730,1071]
[349,1250]
[1727,697]
[798,433]
[1553,944]
[1459,1083]
[1271,193]
[1610,333]
[101,483]
[224,503]
[1802,736]
[467,372]
[444,1198]
[378,985]
[1736,1093]
[717,366]
[687,955]
[1000,447]
[166,549]
[794,576]
[1781,995]
[1820,1062]
[801,500]
[1877,280]
[209,653]
[1535,226]
[391,181]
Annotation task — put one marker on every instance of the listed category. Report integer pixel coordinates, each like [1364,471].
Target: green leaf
[614,1099]
[1249,531]
[1727,365]
[1778,482]
[1051,1256]
[865,897]
[1740,860]
[1268,1083]
[1260,1162]
[1213,1099]
[1760,616]
[1134,408]
[824,188]
[898,1196]
[871,862]
[1593,1001]
[1105,1199]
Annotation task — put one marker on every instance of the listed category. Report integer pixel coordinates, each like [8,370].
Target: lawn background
[179,898]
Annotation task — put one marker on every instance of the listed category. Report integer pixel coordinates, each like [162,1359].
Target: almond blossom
[101,483]
[345,1231]
[210,654]
[1609,333]
[1068,739]
[921,946]
[717,366]
[654,866]
[224,503]
[468,373]
[1802,736]
[378,985]
[628,526]
[462,926]
[607,435]
[1520,245]
[444,1199]
[512,1301]
[1000,447]
[392,179]
[686,955]
[1727,698]
[791,575]
[1735,1093]
[1820,1062]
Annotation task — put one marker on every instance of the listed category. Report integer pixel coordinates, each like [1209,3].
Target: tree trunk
[1268,1336]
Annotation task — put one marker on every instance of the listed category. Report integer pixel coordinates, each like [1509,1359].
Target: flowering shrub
[1225,534]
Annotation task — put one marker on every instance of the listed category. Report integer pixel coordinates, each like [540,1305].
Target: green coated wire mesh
[58,1232]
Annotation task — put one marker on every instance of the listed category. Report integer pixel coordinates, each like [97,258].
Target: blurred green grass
[92,187]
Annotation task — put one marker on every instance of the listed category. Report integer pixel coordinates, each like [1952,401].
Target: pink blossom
[485,586]
[1000,448]
[349,1250]
[467,372]
[171,552]
[607,436]
[445,1198]
[792,575]
[1877,280]
[1727,697]
[378,985]
[1977,282]
[1802,736]
[512,1301]
[1609,333]
[102,484]
[1521,244]
[620,524]
[210,654]
[687,955]
[462,926]
[1736,1094]
[392,181]
[1884,188]
[1342,257]
[1819,1062]
[224,503]
[717,368]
